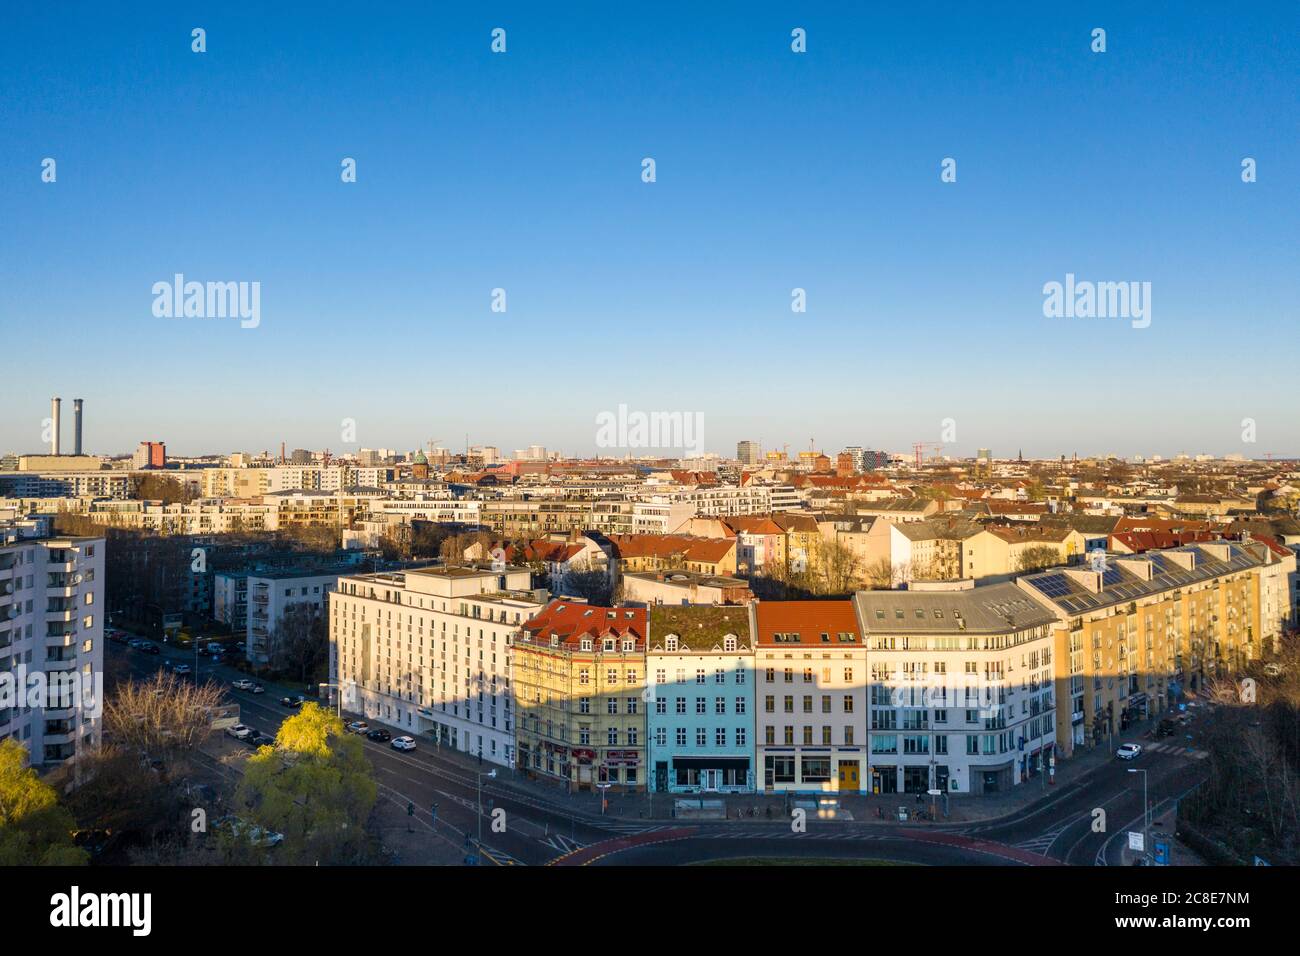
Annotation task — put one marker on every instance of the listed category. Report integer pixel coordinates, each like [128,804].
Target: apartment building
[51,636]
[961,692]
[268,597]
[580,683]
[1136,631]
[431,651]
[810,694]
[700,710]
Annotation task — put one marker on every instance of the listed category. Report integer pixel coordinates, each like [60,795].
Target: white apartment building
[960,687]
[429,651]
[810,683]
[51,627]
[269,596]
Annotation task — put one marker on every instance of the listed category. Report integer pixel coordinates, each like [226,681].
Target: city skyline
[775,171]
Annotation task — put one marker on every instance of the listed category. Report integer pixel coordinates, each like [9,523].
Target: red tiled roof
[809,620]
[570,622]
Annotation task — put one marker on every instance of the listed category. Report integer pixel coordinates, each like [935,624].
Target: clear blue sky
[775,171]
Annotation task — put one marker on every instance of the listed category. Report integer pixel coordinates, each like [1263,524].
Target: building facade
[580,680]
[700,713]
[810,690]
[51,632]
[431,651]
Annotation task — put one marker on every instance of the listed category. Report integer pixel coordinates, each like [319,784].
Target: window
[740,705]
[720,737]
[584,705]
[699,675]
[848,703]
[681,736]
[613,736]
[701,737]
[611,705]
[701,705]
[661,705]
[681,705]
[740,736]
[769,704]
[719,705]
[661,736]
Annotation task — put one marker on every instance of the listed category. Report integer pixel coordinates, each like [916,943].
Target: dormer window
[729,643]
[586,643]
[671,642]
[629,647]
[609,645]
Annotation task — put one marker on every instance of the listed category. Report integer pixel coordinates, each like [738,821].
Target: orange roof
[570,622]
[806,621]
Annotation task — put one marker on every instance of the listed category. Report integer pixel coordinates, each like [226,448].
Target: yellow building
[1137,633]
[579,678]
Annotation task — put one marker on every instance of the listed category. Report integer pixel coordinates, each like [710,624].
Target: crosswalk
[633,829]
[1168,747]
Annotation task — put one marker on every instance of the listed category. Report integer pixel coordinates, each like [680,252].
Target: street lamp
[340,688]
[1146,828]
[491,775]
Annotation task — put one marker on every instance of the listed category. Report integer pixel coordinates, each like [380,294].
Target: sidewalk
[657,808]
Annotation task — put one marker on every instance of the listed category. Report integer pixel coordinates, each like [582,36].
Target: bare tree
[301,640]
[163,718]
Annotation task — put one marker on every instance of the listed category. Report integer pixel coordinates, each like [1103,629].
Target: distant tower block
[76,426]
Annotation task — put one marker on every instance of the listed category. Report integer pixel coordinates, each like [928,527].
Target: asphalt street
[534,830]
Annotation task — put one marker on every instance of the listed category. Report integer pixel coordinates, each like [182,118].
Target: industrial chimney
[54,439]
[76,426]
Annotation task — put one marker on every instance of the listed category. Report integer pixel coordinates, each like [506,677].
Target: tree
[315,786]
[163,718]
[1038,557]
[34,828]
[879,574]
[163,488]
[300,643]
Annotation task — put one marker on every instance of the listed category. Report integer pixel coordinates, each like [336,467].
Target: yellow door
[848,776]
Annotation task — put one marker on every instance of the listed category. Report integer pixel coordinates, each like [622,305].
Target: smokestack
[76,426]
[54,412]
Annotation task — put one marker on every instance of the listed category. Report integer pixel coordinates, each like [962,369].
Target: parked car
[382,736]
[262,740]
[358,727]
[259,689]
[242,683]
[180,670]
[257,835]
[1128,751]
[150,648]
[240,731]
[291,702]
[403,743]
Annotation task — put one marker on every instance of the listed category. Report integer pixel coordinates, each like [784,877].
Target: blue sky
[774,171]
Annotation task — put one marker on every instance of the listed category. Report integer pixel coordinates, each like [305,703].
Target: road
[1059,829]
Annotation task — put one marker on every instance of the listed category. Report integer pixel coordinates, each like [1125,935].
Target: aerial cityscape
[744,438]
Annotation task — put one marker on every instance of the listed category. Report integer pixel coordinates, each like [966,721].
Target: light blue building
[700,699]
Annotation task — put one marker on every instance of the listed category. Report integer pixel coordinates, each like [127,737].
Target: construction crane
[919,446]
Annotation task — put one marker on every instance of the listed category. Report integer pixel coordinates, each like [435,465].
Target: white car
[358,727]
[242,684]
[1128,751]
[239,731]
[403,743]
[181,669]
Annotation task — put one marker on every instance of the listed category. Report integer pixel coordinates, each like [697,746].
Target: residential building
[700,701]
[580,684]
[810,696]
[51,635]
[430,651]
[961,692]
[268,597]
